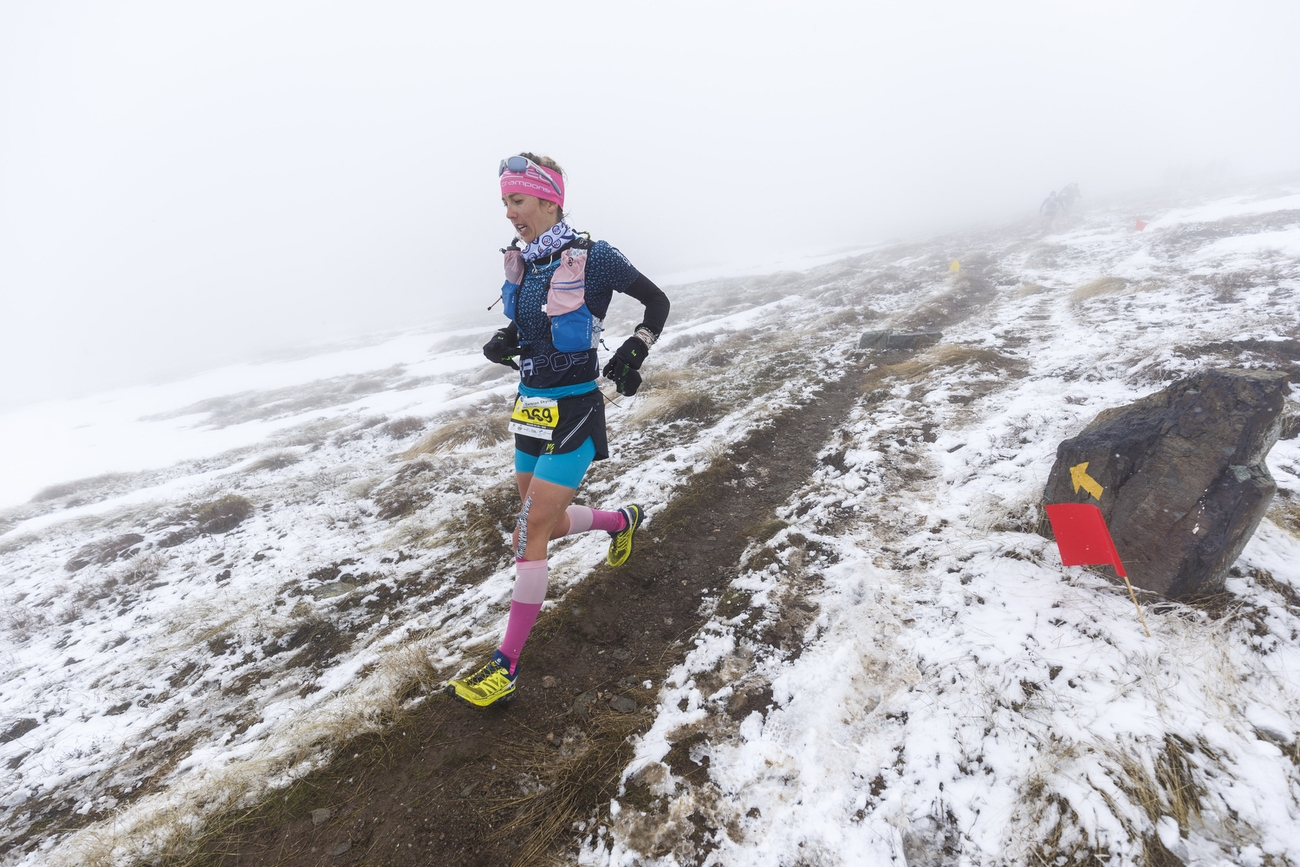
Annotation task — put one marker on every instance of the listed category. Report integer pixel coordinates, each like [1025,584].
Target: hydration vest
[573,327]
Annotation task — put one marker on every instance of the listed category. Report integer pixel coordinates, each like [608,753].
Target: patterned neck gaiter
[548,242]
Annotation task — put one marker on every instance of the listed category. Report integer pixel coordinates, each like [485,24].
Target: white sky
[187,184]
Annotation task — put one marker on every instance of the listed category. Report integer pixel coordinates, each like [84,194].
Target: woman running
[557,290]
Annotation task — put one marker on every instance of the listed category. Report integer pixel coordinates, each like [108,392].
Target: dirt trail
[453,785]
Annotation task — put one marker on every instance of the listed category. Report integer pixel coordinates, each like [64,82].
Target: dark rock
[105,551]
[891,339]
[1182,472]
[177,537]
[622,704]
[18,729]
[582,704]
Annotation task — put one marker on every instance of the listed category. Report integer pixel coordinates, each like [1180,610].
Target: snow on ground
[153,427]
[179,636]
[962,698]
[263,561]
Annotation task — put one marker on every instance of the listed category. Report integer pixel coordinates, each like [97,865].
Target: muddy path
[448,784]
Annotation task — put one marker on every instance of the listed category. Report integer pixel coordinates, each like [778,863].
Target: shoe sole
[505,699]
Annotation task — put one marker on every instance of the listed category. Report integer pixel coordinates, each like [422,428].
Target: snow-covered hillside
[267,560]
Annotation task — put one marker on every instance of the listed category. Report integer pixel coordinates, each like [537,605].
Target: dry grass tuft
[688,340]
[481,426]
[1028,289]
[672,404]
[401,428]
[1102,286]
[479,532]
[947,357]
[66,489]
[722,351]
[1286,514]
[223,515]
[966,294]
[361,726]
[277,461]
[569,779]
[1060,843]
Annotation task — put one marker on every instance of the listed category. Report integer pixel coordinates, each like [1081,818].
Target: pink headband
[530,182]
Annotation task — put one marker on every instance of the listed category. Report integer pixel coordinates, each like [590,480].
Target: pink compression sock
[582,519]
[525,603]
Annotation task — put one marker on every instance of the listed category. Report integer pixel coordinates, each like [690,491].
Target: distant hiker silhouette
[1050,207]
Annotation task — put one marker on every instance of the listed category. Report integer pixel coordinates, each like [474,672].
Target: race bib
[535,417]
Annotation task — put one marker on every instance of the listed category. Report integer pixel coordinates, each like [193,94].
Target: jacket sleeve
[655,301]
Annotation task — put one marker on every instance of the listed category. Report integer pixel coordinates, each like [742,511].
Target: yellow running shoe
[490,684]
[620,543]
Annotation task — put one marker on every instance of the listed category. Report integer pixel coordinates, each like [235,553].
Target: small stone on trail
[622,704]
[583,703]
[334,588]
[552,739]
[321,816]
[341,848]
[549,682]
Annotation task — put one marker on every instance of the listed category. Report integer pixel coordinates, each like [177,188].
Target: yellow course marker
[955,267]
[1079,475]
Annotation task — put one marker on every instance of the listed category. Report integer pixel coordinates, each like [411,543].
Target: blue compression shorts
[566,469]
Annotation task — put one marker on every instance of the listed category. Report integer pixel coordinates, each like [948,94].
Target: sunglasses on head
[519,165]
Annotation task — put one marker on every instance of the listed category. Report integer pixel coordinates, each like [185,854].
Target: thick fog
[183,185]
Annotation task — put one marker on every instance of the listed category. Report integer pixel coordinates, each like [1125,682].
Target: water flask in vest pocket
[572,325]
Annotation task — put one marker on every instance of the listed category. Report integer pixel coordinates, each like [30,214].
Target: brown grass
[678,404]
[400,428]
[64,489]
[277,461]
[966,293]
[687,340]
[572,777]
[1286,514]
[480,426]
[721,352]
[946,357]
[1028,289]
[1099,287]
[223,515]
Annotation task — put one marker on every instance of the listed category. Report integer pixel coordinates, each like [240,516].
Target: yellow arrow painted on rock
[1079,475]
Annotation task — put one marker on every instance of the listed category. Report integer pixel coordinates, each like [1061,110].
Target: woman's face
[529,215]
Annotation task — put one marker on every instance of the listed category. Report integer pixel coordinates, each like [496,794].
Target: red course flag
[1083,539]
[1141,225]
[1082,536]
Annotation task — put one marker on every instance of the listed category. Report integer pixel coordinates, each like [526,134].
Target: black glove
[623,367]
[502,348]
